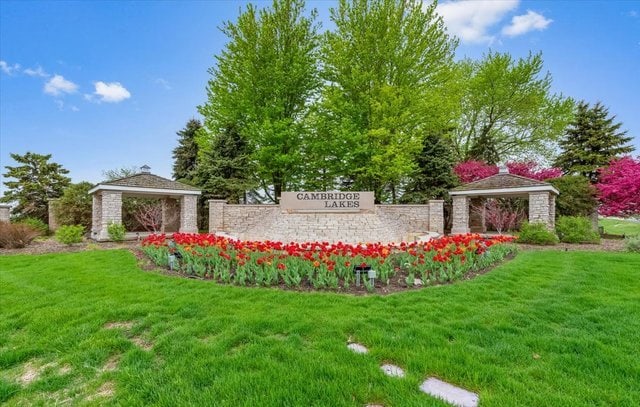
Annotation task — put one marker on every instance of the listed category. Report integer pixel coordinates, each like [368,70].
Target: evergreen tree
[36,181]
[224,169]
[434,176]
[186,153]
[484,149]
[591,141]
[75,206]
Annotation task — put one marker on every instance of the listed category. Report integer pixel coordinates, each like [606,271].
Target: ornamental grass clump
[632,243]
[16,235]
[321,265]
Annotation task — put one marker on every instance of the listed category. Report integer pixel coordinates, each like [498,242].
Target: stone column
[5,212]
[110,212]
[436,216]
[460,215]
[96,215]
[552,211]
[163,222]
[189,214]
[216,215]
[51,206]
[539,211]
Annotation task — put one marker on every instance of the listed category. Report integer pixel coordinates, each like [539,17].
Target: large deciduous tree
[262,85]
[385,66]
[507,108]
[185,154]
[619,187]
[591,141]
[36,181]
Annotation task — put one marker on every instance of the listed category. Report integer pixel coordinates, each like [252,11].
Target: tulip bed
[325,265]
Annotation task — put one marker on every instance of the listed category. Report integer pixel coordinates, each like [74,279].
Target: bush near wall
[576,229]
[70,234]
[36,224]
[536,233]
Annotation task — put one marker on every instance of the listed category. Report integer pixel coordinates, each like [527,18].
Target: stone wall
[51,207]
[387,223]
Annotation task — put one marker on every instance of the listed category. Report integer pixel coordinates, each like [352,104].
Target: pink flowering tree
[619,187]
[469,171]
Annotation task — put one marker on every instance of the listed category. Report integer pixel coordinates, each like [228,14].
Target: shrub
[116,231]
[16,235]
[632,243]
[576,229]
[536,233]
[70,234]
[36,224]
[577,196]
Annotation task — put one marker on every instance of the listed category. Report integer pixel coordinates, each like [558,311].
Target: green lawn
[620,227]
[549,328]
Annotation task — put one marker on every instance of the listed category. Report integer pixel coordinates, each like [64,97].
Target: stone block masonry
[386,223]
[5,212]
[110,212]
[540,208]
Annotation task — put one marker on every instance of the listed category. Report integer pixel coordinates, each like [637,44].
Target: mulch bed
[50,245]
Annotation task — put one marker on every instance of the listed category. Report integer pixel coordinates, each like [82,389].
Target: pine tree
[37,181]
[434,176]
[186,153]
[224,169]
[591,141]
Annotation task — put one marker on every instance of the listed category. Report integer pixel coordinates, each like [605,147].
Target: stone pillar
[216,215]
[51,206]
[189,214]
[539,211]
[110,212]
[163,222]
[460,215]
[96,215]
[436,216]
[552,211]
[5,212]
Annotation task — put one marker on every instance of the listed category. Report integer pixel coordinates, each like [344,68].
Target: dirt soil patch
[605,245]
[51,245]
[126,325]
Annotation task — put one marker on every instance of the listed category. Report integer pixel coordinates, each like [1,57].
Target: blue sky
[105,85]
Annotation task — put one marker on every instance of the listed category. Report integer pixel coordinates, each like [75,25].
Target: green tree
[36,181]
[117,173]
[577,196]
[75,205]
[263,83]
[185,155]
[507,108]
[591,140]
[384,66]
[434,176]
[224,168]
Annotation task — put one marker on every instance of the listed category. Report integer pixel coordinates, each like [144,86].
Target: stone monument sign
[332,202]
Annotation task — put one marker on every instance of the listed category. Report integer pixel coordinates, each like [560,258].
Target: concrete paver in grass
[392,370]
[357,348]
[449,393]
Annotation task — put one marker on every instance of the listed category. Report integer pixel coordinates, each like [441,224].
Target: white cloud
[112,92]
[470,20]
[163,82]
[526,23]
[58,85]
[36,72]
[633,14]
[9,69]
[74,108]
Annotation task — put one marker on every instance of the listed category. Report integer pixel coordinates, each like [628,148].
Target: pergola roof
[503,184]
[146,183]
